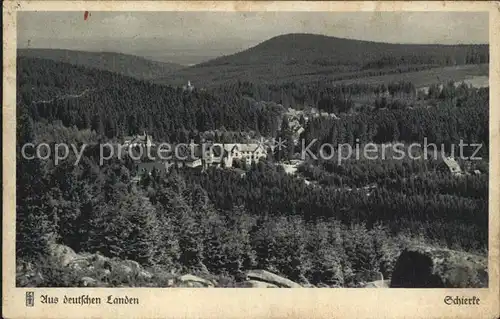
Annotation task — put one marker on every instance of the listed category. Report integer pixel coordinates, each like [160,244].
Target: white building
[138,140]
[189,87]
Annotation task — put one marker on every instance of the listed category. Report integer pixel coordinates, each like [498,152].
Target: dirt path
[64,97]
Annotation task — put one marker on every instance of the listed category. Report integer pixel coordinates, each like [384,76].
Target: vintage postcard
[158,152]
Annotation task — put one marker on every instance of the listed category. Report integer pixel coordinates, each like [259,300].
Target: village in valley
[241,156]
[303,159]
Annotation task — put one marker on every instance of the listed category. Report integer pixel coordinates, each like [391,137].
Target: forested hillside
[444,125]
[125,64]
[114,105]
[325,50]
[347,219]
[309,57]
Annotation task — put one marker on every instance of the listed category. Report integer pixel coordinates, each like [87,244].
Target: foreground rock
[369,279]
[88,282]
[270,278]
[372,279]
[193,281]
[425,267]
[378,284]
[256,284]
[416,267]
[63,254]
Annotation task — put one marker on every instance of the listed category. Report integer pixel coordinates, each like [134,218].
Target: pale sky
[200,35]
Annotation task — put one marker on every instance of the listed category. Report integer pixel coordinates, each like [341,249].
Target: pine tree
[34,227]
[143,243]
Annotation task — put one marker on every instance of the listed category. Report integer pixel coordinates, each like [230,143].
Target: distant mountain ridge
[125,64]
[311,47]
[296,57]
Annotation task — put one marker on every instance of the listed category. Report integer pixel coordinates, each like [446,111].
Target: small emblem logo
[30,298]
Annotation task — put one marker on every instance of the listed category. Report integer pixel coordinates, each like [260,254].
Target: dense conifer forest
[324,225]
[125,64]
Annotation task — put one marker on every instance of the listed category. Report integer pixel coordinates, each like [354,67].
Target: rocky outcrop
[88,282]
[65,268]
[378,284]
[91,261]
[416,267]
[270,278]
[91,269]
[193,281]
[371,279]
[256,284]
[426,267]
[62,254]
[365,277]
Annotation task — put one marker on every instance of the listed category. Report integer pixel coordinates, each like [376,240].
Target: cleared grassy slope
[427,77]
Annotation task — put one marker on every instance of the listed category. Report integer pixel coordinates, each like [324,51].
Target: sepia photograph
[251,149]
[155,149]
